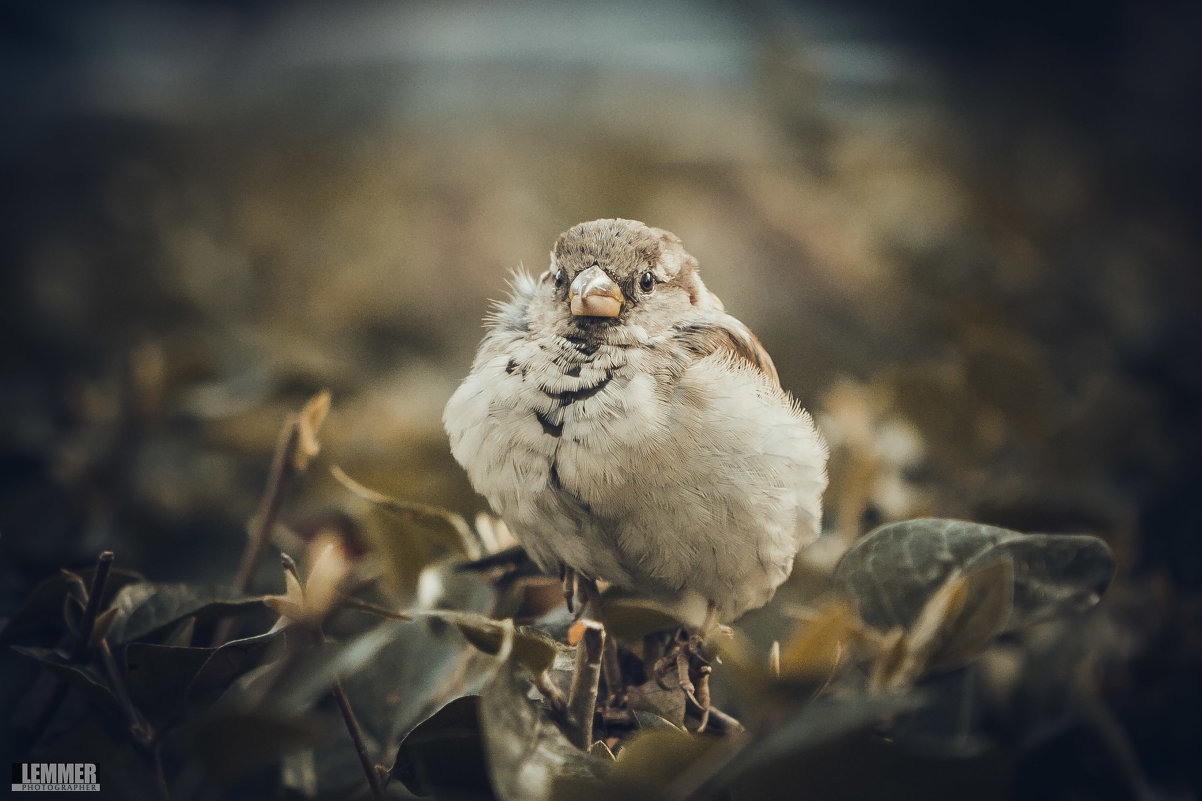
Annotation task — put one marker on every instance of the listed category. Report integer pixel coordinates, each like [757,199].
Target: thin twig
[610,667]
[582,699]
[86,624]
[159,775]
[140,729]
[722,723]
[79,592]
[352,726]
[313,632]
[283,469]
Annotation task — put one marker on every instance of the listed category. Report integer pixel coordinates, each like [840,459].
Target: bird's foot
[686,658]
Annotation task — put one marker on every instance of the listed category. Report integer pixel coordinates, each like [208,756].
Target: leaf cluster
[398,673]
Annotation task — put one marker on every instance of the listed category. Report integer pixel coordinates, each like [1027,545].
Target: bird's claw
[686,657]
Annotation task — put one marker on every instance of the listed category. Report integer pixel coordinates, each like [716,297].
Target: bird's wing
[721,332]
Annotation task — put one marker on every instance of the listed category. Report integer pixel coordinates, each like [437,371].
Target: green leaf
[311,674]
[44,607]
[527,753]
[232,745]
[158,677]
[410,677]
[164,680]
[532,648]
[146,607]
[407,536]
[121,768]
[444,754]
[630,618]
[893,571]
[225,664]
[819,733]
[183,633]
[82,677]
[654,757]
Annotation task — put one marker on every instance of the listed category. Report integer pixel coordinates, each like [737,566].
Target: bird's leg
[696,648]
[569,577]
[687,657]
[610,668]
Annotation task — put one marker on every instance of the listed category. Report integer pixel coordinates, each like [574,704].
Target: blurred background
[966,233]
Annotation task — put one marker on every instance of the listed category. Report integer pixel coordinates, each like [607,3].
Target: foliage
[395,672]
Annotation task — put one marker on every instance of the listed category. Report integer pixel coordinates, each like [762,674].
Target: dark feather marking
[572,395]
[553,429]
[583,345]
[557,484]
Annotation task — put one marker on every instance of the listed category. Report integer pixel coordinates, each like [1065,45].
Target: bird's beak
[594,294]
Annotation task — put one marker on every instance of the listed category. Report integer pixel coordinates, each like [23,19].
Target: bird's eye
[558,276]
[647,282]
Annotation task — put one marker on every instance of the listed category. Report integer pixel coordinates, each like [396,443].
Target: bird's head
[609,272]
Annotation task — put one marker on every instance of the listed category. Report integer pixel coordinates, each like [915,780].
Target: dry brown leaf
[100,629]
[329,569]
[989,594]
[308,422]
[292,603]
[452,528]
[816,648]
[533,649]
[889,659]
[957,622]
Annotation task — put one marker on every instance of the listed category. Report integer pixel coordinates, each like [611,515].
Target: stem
[722,723]
[159,776]
[582,700]
[103,564]
[364,606]
[283,468]
[352,726]
[610,667]
[139,728]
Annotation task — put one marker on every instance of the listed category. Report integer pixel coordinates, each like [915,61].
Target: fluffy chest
[586,408]
[635,465]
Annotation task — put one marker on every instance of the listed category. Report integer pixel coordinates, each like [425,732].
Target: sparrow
[628,429]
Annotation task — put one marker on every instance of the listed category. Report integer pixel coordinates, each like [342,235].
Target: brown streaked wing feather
[725,333]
